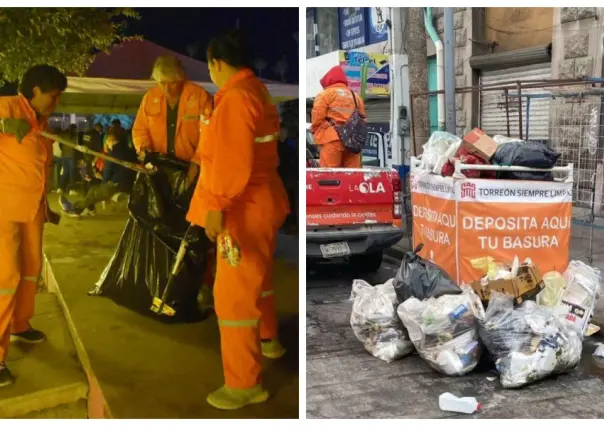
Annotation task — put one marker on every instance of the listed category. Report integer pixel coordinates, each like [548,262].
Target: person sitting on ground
[116,179]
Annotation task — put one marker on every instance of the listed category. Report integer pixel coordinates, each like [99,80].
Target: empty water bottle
[467,405]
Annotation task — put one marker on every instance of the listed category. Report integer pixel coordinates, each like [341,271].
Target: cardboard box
[577,315]
[527,283]
[479,143]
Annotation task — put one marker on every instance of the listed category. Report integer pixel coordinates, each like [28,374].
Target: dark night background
[271,32]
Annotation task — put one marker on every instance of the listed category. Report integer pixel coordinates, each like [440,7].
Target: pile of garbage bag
[443,149]
[375,323]
[139,269]
[444,330]
[528,342]
[450,329]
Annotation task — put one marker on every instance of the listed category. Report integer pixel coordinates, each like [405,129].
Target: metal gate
[498,117]
[378,110]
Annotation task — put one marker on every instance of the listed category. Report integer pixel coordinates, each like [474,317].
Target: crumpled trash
[444,330]
[375,323]
[599,352]
[525,154]
[467,157]
[500,139]
[528,342]
[436,148]
[422,279]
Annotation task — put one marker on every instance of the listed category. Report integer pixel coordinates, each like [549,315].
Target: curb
[97,404]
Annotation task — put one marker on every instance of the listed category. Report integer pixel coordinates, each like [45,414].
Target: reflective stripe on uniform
[7,291]
[341,109]
[267,293]
[267,138]
[30,279]
[238,323]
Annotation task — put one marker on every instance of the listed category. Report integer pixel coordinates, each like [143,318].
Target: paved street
[344,381]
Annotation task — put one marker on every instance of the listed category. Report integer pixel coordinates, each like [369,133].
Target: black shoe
[6,378]
[29,336]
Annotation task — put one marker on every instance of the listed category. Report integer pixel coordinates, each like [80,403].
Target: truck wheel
[370,262]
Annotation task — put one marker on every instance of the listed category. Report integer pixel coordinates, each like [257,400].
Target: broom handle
[85,150]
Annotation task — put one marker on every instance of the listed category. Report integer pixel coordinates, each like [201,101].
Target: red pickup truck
[351,214]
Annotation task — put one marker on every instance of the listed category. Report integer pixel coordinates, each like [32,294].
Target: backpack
[353,133]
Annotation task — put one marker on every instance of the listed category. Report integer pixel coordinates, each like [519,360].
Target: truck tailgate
[349,196]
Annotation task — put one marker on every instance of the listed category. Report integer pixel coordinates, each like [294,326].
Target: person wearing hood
[333,107]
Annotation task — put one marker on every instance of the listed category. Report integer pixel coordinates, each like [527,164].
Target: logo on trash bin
[468,190]
[413,182]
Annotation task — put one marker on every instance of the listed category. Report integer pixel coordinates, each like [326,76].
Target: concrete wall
[518,27]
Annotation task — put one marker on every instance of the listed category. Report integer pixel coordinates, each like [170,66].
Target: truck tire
[370,262]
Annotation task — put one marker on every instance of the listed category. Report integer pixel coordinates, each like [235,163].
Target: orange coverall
[239,160]
[24,170]
[150,131]
[335,102]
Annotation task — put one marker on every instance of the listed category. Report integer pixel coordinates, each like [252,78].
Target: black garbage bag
[525,154]
[139,269]
[422,279]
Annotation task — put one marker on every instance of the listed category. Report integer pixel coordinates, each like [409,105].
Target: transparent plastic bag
[528,342]
[436,148]
[375,323]
[583,284]
[444,331]
[551,295]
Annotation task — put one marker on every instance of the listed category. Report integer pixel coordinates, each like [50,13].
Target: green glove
[17,127]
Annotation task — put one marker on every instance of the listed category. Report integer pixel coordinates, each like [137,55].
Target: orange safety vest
[24,166]
[238,152]
[150,132]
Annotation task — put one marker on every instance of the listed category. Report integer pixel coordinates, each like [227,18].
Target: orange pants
[334,154]
[244,298]
[21,254]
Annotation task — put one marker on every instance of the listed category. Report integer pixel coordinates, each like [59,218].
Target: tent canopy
[116,82]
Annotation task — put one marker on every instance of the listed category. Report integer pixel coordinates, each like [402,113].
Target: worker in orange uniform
[25,170]
[334,106]
[168,123]
[240,194]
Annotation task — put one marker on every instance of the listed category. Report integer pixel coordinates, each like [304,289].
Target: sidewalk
[49,381]
[147,369]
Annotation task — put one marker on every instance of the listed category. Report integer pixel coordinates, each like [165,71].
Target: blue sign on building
[353,27]
[378,29]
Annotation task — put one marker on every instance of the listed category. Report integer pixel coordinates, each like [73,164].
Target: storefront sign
[353,27]
[378,72]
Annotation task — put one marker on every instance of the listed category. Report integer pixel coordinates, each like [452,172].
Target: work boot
[68,207]
[6,378]
[28,336]
[227,398]
[272,349]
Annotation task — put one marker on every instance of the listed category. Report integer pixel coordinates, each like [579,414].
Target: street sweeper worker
[334,106]
[239,194]
[25,170]
[168,122]
[168,118]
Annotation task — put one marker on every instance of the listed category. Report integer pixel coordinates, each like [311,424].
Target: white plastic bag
[436,148]
[444,330]
[375,323]
[528,342]
[583,287]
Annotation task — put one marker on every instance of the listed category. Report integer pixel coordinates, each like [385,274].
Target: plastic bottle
[466,405]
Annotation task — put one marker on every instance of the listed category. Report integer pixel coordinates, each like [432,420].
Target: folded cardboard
[527,283]
[479,143]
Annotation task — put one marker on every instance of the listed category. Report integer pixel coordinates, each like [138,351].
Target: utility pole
[450,71]
[418,77]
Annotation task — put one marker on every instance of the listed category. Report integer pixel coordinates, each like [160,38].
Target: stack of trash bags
[449,327]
